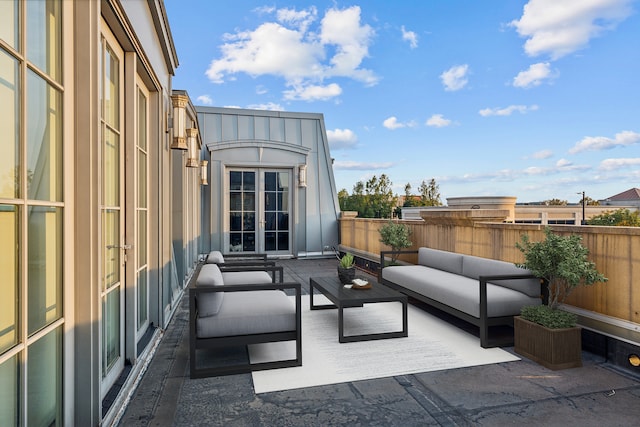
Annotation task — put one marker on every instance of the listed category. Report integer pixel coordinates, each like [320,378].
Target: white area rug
[432,345]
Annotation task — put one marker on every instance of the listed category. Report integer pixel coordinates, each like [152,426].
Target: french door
[113,250]
[259,211]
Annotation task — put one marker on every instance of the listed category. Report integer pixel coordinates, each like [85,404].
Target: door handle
[125,247]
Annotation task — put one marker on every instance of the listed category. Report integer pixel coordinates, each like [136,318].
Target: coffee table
[342,298]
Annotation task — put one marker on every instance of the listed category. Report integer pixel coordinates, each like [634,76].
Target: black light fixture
[584,202]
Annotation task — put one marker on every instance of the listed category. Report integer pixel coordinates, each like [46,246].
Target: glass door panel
[141,243]
[276,211]
[112,248]
[242,211]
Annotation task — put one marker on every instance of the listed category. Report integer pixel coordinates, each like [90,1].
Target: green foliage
[560,260]
[429,195]
[621,217]
[373,199]
[396,235]
[347,261]
[548,317]
[556,202]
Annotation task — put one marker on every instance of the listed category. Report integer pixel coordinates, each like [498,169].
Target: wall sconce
[179,122]
[302,175]
[203,172]
[192,143]
[634,360]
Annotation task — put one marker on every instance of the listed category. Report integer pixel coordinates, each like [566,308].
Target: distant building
[529,213]
[631,197]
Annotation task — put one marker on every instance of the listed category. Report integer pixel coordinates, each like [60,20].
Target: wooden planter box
[552,348]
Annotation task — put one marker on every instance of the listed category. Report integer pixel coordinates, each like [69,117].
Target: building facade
[99,203]
[271,186]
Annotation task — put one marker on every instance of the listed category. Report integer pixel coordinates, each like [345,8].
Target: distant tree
[430,193]
[589,201]
[373,199]
[621,217]
[556,202]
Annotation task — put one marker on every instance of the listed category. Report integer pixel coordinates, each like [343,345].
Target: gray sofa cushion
[442,260]
[215,257]
[209,303]
[251,312]
[459,292]
[474,267]
[246,277]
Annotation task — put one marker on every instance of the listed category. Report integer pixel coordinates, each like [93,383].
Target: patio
[520,392]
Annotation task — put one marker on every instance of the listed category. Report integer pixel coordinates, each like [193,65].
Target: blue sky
[537,99]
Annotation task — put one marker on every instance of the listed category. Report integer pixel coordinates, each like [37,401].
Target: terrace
[599,393]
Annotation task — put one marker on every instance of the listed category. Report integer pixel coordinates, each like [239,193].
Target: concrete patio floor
[514,393]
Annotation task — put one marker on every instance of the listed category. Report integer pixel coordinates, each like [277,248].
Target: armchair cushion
[215,257]
[209,303]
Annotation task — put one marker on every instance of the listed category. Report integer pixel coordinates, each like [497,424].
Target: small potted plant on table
[346,268]
[545,333]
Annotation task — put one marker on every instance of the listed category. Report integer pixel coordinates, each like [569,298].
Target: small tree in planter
[562,262]
[395,235]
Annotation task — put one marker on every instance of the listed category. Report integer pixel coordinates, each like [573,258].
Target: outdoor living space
[599,393]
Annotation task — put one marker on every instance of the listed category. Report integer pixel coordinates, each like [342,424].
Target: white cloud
[342,30]
[613,164]
[507,111]
[597,143]
[542,154]
[298,51]
[455,78]
[342,138]
[534,76]
[438,120]
[205,100]
[392,123]
[312,92]
[351,165]
[411,37]
[558,28]
[301,19]
[270,106]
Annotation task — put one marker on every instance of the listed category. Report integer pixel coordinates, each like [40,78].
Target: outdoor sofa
[481,291]
[238,308]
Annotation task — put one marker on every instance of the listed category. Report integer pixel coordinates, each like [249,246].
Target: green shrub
[548,317]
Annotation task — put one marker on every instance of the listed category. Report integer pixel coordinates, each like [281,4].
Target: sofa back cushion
[442,260]
[474,267]
[215,257]
[209,302]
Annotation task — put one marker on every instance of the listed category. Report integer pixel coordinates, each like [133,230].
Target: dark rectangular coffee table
[342,298]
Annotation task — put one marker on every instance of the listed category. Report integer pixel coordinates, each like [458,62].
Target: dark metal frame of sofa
[483,322]
[196,343]
[245,260]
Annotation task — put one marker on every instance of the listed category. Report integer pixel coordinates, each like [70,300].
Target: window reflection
[44,140]
[45,266]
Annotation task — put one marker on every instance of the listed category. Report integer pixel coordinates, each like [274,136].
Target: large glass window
[43,36]
[31,212]
[9,276]
[44,380]
[9,392]
[9,16]
[44,154]
[45,266]
[9,126]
